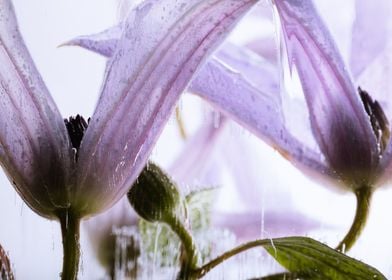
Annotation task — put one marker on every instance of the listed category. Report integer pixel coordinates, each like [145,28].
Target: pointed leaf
[310,259]
[200,204]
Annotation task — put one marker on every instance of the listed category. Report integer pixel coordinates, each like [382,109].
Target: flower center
[378,119]
[76,127]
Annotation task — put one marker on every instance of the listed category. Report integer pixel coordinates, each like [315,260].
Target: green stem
[200,272]
[363,195]
[191,259]
[70,224]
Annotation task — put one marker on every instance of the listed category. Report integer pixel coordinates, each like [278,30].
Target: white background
[74,77]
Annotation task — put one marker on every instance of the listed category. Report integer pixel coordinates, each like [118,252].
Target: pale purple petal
[233,74]
[339,121]
[103,43]
[241,73]
[193,160]
[245,87]
[375,79]
[265,47]
[34,146]
[162,45]
[370,32]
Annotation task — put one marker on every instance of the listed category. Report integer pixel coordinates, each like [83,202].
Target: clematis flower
[69,172]
[350,143]
[350,131]
[349,128]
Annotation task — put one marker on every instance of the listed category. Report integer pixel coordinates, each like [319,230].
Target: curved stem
[191,260]
[70,225]
[363,195]
[200,272]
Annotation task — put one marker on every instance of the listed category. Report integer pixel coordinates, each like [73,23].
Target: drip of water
[135,260]
[127,253]
[154,262]
[217,119]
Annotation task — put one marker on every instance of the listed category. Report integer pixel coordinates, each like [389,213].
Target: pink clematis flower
[69,172]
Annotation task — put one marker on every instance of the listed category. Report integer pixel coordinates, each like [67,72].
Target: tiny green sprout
[155,197]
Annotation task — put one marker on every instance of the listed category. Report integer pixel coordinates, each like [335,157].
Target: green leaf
[199,208]
[162,245]
[310,259]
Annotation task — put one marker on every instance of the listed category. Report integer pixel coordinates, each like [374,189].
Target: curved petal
[245,87]
[103,43]
[162,45]
[339,121]
[34,147]
[370,29]
[229,76]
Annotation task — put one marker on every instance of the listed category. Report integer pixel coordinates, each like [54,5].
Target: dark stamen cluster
[378,119]
[76,127]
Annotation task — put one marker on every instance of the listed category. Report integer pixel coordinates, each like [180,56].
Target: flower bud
[155,197]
